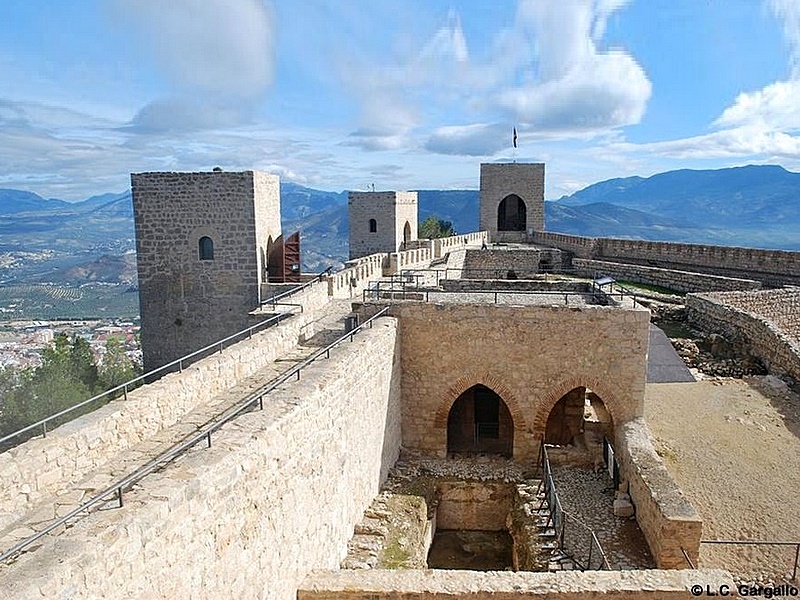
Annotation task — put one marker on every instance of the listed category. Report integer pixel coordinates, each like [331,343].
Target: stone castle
[269,454]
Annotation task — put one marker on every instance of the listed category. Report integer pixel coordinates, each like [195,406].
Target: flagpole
[514,142]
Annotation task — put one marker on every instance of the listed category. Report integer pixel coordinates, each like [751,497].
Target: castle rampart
[771,267]
[276,495]
[41,467]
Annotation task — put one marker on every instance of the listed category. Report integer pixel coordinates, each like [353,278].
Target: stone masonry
[187,303]
[388,213]
[500,180]
[530,355]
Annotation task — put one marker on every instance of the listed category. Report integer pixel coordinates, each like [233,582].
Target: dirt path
[734,448]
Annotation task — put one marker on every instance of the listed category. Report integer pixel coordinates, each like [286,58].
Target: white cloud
[470,140]
[217,56]
[571,84]
[774,106]
[789,12]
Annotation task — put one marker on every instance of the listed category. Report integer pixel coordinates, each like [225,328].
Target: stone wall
[357,273]
[499,180]
[186,302]
[667,519]
[530,355]
[679,281]
[768,321]
[276,495]
[542,283]
[442,246]
[390,210]
[41,467]
[771,267]
[525,263]
[408,259]
[501,585]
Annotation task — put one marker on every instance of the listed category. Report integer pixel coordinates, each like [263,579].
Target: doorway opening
[480,422]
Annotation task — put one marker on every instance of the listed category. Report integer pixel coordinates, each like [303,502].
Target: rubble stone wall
[680,281]
[667,519]
[768,321]
[525,263]
[276,495]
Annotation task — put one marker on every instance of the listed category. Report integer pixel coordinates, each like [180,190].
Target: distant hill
[51,240]
[750,198]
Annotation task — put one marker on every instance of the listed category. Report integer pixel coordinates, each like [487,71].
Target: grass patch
[646,287]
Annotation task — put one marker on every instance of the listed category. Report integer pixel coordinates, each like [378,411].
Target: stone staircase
[557,559]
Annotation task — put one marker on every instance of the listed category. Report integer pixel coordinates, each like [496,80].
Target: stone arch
[479,421]
[512,214]
[545,407]
[465,382]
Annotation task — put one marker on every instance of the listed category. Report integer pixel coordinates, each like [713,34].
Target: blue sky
[403,94]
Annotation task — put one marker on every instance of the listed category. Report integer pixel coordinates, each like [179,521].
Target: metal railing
[379,290]
[127,386]
[763,543]
[560,518]
[116,490]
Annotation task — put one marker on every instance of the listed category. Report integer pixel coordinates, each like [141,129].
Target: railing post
[44,429]
[125,391]
[796,561]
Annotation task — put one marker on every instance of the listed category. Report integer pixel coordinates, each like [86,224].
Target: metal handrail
[563,516]
[764,543]
[688,558]
[117,489]
[271,300]
[375,292]
[126,386]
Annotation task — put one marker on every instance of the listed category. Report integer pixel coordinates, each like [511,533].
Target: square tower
[381,221]
[512,200]
[201,245]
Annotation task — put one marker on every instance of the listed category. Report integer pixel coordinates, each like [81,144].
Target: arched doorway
[480,422]
[406,234]
[511,214]
[580,419]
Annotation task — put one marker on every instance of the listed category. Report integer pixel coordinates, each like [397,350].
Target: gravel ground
[733,446]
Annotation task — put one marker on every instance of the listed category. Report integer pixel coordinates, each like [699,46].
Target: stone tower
[381,221]
[512,200]
[201,246]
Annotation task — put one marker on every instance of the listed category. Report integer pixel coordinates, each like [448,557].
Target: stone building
[202,241]
[512,200]
[381,221]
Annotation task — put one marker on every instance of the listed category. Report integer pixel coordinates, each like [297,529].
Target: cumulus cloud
[217,53]
[574,86]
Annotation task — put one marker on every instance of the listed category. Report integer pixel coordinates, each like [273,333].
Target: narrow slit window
[373,226]
[206,248]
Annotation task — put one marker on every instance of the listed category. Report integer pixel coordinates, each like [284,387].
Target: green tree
[116,368]
[434,227]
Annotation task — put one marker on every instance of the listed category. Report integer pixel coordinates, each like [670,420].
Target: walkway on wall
[663,363]
[329,324]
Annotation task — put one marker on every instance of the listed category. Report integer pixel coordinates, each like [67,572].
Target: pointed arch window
[205,247]
[373,226]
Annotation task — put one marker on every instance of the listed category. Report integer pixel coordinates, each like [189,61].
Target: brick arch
[463,383]
[606,395]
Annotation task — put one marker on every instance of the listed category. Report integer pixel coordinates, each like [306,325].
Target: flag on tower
[515,137]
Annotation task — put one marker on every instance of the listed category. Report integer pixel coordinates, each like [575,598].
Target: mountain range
[53,241]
